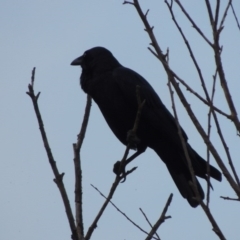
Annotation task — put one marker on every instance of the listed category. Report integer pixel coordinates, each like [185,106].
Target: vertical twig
[58,177]
[208,133]
[184,146]
[124,214]
[118,178]
[78,170]
[201,78]
[149,222]
[162,218]
[218,60]
[191,21]
[172,76]
[235,16]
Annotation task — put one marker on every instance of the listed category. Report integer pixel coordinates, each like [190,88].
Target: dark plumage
[113,88]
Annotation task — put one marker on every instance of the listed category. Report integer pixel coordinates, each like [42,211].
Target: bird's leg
[132,139]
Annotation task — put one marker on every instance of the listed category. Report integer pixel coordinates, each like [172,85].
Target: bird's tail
[200,166]
[177,165]
[184,183]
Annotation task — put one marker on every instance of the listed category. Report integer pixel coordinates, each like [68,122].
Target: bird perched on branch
[113,87]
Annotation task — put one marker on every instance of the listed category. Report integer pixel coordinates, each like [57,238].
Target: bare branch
[208,133]
[191,20]
[183,142]
[124,214]
[118,178]
[205,89]
[216,15]
[221,73]
[235,16]
[194,92]
[145,216]
[58,177]
[192,56]
[225,15]
[78,170]
[127,2]
[83,129]
[226,149]
[162,218]
[215,226]
[210,14]
[109,197]
[171,76]
[228,198]
[140,107]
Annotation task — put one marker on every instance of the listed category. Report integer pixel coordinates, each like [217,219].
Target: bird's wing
[154,111]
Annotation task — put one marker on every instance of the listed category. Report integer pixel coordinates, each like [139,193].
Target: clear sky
[48,35]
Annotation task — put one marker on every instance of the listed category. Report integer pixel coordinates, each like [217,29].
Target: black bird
[113,88]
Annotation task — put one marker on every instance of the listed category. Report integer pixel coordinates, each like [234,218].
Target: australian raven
[113,88]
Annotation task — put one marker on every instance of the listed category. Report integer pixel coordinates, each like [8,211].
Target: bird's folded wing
[154,111]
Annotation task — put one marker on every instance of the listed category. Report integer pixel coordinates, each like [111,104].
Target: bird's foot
[120,171]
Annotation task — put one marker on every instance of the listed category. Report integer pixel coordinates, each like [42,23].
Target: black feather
[113,88]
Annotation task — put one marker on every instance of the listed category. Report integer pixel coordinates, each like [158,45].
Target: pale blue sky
[48,35]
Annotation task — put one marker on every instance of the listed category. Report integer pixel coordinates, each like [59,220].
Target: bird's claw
[119,170]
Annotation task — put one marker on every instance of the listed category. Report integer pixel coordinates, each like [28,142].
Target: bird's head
[96,60]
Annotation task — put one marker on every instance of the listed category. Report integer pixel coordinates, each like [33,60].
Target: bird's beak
[77,61]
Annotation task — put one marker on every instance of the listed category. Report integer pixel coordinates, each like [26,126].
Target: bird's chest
[117,111]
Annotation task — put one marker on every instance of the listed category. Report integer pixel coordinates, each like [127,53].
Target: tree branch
[124,214]
[118,178]
[78,170]
[172,76]
[162,218]
[58,177]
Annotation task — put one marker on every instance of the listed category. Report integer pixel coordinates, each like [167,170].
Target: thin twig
[203,82]
[235,16]
[78,170]
[127,2]
[184,145]
[192,56]
[171,76]
[162,218]
[94,224]
[220,70]
[228,198]
[145,216]
[124,214]
[192,22]
[210,14]
[108,198]
[216,15]
[118,178]
[226,148]
[221,73]
[194,92]
[58,177]
[215,226]
[208,133]
[224,15]
[140,107]
[132,134]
